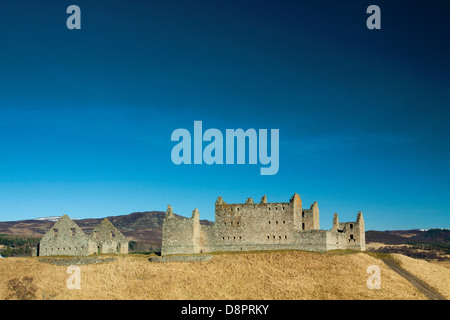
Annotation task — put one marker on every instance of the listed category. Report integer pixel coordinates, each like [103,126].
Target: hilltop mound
[267,275]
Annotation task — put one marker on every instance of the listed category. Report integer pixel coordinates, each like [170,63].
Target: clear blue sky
[86,115]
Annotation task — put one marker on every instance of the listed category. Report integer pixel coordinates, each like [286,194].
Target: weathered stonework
[187,231]
[65,238]
[182,258]
[108,239]
[355,237]
[259,226]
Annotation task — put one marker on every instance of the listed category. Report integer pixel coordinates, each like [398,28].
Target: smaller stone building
[65,238]
[108,238]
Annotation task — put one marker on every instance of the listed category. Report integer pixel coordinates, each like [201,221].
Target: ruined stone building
[66,238]
[259,226]
[108,239]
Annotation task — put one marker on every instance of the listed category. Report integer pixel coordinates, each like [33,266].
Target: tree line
[15,245]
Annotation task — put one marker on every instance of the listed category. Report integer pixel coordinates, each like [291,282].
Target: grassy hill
[267,275]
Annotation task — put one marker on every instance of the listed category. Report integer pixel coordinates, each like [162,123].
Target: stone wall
[254,223]
[207,239]
[182,258]
[180,235]
[310,218]
[335,240]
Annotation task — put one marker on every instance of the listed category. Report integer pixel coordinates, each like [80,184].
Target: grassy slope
[269,275]
[436,276]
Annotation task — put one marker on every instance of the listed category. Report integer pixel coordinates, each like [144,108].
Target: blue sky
[86,115]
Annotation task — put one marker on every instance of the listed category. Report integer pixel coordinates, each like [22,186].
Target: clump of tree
[17,241]
[15,245]
[442,247]
[139,247]
[411,252]
[132,245]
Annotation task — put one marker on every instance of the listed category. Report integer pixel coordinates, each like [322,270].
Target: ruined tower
[353,231]
[181,234]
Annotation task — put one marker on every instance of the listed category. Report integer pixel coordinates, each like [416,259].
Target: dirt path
[419,284]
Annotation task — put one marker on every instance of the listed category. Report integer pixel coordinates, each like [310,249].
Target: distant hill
[430,244]
[145,228]
[396,237]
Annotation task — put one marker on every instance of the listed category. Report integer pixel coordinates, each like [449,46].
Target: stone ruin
[66,238]
[259,226]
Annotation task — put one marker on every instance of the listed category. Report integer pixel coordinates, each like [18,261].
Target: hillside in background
[409,236]
[431,244]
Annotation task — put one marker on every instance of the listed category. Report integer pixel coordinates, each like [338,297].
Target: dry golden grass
[272,275]
[436,276]
[377,245]
[442,263]
[374,245]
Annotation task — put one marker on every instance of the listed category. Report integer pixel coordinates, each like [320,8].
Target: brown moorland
[277,275]
[436,276]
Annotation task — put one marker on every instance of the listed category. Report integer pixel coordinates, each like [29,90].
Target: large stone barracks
[259,226]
